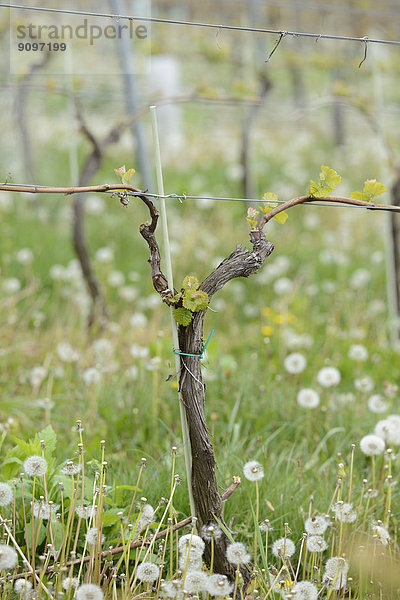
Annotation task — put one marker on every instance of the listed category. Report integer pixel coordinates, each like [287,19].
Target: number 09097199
[42,47]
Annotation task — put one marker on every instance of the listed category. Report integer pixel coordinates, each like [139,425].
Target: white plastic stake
[167,254]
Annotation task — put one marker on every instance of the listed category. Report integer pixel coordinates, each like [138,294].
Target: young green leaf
[372,188]
[328,180]
[190,283]
[120,172]
[252,216]
[360,196]
[183,316]
[124,175]
[272,198]
[195,300]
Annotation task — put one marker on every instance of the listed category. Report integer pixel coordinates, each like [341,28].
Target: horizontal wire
[117,17]
[181,197]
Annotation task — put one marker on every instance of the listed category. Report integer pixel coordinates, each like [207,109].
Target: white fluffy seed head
[372,445]
[381,534]
[70,583]
[44,510]
[344,512]
[308,398]
[335,576]
[283,548]
[328,376]
[147,572]
[316,525]
[237,554]
[8,557]
[295,363]
[316,543]
[6,494]
[85,512]
[218,585]
[253,470]
[195,582]
[89,591]
[303,590]
[23,587]
[358,352]
[193,562]
[192,542]
[211,531]
[147,516]
[92,536]
[35,466]
[377,404]
[389,431]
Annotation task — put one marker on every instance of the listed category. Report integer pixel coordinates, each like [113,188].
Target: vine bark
[207,498]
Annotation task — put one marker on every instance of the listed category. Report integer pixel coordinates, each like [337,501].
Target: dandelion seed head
[308,398]
[192,541]
[316,543]
[195,582]
[171,589]
[35,466]
[328,376]
[335,576]
[381,533]
[237,554]
[295,363]
[23,587]
[147,516]
[6,494]
[193,562]
[147,572]
[85,512]
[372,445]
[67,353]
[344,512]
[302,590]
[358,352]
[364,384]
[89,591]
[377,404]
[389,431]
[283,548]
[70,583]
[92,536]
[71,468]
[253,470]
[211,531]
[265,525]
[316,525]
[8,557]
[218,585]
[92,376]
[44,510]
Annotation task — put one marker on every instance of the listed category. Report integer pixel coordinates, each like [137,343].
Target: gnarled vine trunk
[207,498]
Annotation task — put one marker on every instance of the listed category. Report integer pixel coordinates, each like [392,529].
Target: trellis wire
[183,196]
[219,27]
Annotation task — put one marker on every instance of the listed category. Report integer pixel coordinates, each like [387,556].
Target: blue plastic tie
[196,355]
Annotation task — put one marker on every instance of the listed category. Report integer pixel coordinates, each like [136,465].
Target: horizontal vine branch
[331,199]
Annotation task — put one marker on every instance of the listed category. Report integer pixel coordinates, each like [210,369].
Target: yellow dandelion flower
[267,330]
